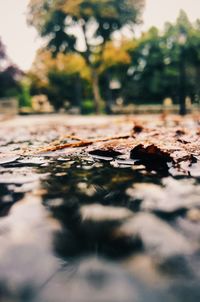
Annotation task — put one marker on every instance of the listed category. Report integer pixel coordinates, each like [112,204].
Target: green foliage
[24,96]
[154,72]
[63,88]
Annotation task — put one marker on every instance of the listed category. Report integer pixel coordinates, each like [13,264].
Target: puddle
[97,229]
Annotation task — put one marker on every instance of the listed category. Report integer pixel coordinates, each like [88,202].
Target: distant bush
[88,107]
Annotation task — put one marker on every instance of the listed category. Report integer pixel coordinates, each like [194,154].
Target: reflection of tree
[67,195]
[8,199]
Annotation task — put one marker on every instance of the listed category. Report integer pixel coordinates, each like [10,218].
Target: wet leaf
[105,153]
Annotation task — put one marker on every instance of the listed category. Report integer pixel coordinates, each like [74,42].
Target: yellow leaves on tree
[70,7]
[76,9]
[71,63]
[115,54]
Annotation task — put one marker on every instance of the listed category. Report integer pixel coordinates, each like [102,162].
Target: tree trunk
[109,96]
[78,91]
[96,91]
[182,83]
[94,74]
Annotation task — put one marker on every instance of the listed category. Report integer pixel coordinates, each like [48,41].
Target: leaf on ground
[152,157]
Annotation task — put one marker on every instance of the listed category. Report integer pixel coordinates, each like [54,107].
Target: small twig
[79,144]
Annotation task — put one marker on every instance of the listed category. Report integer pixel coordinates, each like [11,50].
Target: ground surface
[100,209]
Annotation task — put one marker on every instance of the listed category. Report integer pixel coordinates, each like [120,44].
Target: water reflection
[85,234]
[8,198]
[90,208]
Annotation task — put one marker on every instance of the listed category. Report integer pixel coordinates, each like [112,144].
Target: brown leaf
[152,157]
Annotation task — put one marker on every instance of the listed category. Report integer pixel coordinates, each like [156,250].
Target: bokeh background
[99,56]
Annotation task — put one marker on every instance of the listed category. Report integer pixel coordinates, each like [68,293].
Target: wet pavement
[81,226]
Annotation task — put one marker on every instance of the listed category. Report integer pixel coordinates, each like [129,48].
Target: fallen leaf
[152,157]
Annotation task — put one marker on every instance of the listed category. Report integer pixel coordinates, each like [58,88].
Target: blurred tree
[2,51]
[146,75]
[84,27]
[9,75]
[155,69]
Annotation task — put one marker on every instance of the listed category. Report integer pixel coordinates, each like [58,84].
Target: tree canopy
[83,26]
[154,72]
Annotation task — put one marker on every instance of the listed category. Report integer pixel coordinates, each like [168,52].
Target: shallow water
[96,229]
